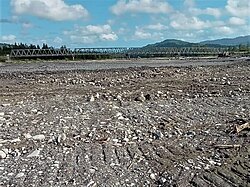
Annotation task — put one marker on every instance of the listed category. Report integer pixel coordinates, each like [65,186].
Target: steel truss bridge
[120,51]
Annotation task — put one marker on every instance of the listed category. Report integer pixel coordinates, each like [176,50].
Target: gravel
[144,126]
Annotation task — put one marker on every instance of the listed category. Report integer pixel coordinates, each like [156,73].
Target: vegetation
[5,49]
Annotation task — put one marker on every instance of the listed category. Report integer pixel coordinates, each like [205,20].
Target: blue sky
[96,23]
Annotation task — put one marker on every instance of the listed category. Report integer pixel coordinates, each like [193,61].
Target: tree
[31,46]
[45,46]
[63,47]
[15,46]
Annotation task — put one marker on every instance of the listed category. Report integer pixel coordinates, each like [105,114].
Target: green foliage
[5,49]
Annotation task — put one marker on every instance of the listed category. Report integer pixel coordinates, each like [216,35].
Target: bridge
[26,53]
[116,51]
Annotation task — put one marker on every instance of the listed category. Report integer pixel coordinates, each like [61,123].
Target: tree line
[6,49]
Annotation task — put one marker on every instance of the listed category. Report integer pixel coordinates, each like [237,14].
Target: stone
[91,184]
[163,180]
[118,114]
[34,110]
[19,175]
[92,98]
[39,137]
[5,150]
[3,155]
[5,104]
[158,135]
[27,135]
[62,137]
[3,141]
[115,140]
[15,140]
[79,109]
[140,98]
[119,97]
[92,171]
[152,176]
[121,118]
[34,154]
[125,140]
[190,134]
[148,97]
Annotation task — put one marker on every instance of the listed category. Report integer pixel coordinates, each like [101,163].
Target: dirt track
[143,126]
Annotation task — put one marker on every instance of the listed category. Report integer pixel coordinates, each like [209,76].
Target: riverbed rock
[3,154]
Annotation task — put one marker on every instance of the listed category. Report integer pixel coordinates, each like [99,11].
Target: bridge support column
[8,57]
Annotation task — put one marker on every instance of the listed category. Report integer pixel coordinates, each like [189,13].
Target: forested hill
[179,43]
[242,40]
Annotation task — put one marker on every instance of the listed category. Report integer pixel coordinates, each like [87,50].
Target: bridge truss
[19,53]
[111,50]
[183,51]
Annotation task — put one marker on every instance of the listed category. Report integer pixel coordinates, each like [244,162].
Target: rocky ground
[173,126]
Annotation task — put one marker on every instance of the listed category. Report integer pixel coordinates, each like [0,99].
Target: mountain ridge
[229,41]
[224,42]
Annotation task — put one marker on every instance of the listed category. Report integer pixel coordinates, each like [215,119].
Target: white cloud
[58,40]
[16,20]
[56,10]
[189,3]
[108,37]
[208,11]
[239,8]
[141,33]
[123,31]
[111,21]
[152,32]
[8,38]
[189,23]
[212,11]
[225,30]
[91,34]
[191,7]
[157,26]
[237,21]
[141,6]
[27,25]
[182,22]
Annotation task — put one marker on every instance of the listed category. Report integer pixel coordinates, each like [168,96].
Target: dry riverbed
[144,126]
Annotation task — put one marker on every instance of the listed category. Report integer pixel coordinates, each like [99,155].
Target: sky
[120,23]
